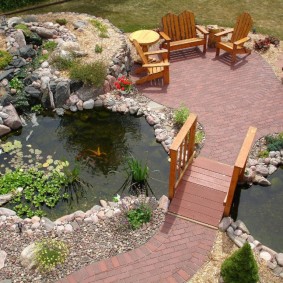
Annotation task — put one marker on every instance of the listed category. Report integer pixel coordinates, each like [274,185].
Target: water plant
[137,178]
[240,267]
[5,59]
[49,253]
[138,216]
[180,115]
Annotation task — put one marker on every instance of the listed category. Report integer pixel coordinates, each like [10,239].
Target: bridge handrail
[239,168]
[182,152]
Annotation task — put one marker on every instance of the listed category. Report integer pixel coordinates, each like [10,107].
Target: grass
[130,15]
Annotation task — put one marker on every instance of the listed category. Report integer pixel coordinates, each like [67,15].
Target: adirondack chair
[154,70]
[181,32]
[239,37]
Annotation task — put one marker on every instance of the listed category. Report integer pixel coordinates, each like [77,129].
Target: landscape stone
[279,258]
[18,62]
[27,51]
[45,33]
[241,225]
[3,256]
[14,21]
[163,203]
[89,104]
[47,224]
[103,203]
[265,255]
[33,92]
[68,228]
[62,93]
[27,257]
[262,170]
[262,181]
[6,74]
[271,169]
[7,211]
[75,225]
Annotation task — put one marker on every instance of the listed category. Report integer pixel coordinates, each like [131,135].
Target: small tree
[240,267]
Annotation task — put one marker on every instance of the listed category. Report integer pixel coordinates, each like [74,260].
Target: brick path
[227,101]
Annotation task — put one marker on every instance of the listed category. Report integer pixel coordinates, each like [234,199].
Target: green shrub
[263,153]
[49,253]
[61,22]
[138,216]
[61,63]
[101,28]
[240,267]
[17,84]
[199,136]
[50,45]
[181,115]
[98,48]
[92,74]
[274,143]
[5,59]
[24,28]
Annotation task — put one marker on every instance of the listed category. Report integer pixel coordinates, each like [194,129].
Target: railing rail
[239,168]
[182,152]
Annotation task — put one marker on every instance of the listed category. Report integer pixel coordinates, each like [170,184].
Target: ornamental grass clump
[5,59]
[49,253]
[181,115]
[240,267]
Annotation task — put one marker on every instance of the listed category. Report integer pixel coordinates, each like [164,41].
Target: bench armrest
[164,36]
[225,32]
[201,29]
[151,65]
[156,52]
[242,41]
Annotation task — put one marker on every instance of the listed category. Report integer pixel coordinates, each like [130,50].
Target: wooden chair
[239,37]
[154,70]
[181,32]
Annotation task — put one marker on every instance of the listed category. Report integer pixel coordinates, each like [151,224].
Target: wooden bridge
[200,189]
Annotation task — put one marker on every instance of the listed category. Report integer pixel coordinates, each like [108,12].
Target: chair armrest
[242,40]
[161,51]
[225,32]
[201,29]
[164,36]
[151,65]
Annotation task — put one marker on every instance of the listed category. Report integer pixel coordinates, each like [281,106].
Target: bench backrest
[179,27]
[242,27]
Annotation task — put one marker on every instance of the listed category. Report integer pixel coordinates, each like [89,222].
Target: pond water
[72,138]
[261,209]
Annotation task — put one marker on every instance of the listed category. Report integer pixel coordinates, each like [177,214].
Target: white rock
[60,229]
[265,255]
[68,228]
[279,258]
[27,257]
[7,212]
[45,64]
[88,220]
[103,203]
[35,225]
[3,256]
[94,218]
[163,203]
[35,219]
[238,232]
[89,104]
[109,213]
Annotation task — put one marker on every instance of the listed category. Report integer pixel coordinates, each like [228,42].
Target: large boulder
[13,121]
[27,257]
[87,92]
[45,33]
[27,51]
[7,211]
[33,92]
[20,38]
[62,93]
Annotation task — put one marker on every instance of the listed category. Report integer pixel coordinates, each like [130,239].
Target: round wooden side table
[145,38]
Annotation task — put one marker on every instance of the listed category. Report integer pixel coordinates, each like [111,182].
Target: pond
[75,136]
[261,209]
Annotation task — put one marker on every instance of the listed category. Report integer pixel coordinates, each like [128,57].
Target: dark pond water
[118,137]
[261,209]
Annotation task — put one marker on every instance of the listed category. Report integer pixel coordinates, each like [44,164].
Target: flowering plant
[123,84]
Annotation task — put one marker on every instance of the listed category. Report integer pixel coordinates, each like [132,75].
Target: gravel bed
[91,243]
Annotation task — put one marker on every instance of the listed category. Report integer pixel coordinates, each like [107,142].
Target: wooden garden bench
[181,32]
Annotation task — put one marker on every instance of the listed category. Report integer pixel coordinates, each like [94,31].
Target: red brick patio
[227,101]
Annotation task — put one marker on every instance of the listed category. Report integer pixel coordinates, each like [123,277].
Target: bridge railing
[239,168]
[182,152]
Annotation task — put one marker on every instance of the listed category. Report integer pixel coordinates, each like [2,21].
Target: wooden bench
[181,32]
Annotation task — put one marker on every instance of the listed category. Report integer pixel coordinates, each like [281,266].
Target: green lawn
[130,15]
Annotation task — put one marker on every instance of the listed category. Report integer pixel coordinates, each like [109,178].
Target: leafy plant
[61,22]
[5,59]
[101,28]
[181,115]
[49,253]
[274,143]
[138,216]
[137,178]
[16,84]
[92,74]
[98,48]
[61,63]
[199,136]
[24,28]
[262,44]
[37,109]
[21,102]
[240,267]
[263,154]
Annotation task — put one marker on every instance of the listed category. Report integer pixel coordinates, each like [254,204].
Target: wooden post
[172,177]
[192,134]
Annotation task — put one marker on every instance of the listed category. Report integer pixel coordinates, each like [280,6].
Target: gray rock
[7,212]
[68,228]
[252,162]
[238,232]
[5,198]
[241,225]
[98,103]
[27,257]
[6,74]
[45,33]
[6,281]
[62,93]
[60,229]
[3,115]
[230,230]
[73,100]
[89,104]
[278,270]
[109,213]
[272,154]
[79,213]
[279,258]
[96,208]
[73,108]
[3,256]
[163,203]
[70,46]
[133,110]
[47,224]
[13,121]
[18,62]
[275,161]
[271,169]
[75,225]
[20,38]
[14,21]
[33,92]
[27,51]
[34,226]
[262,170]
[80,105]
[94,218]
[103,203]
[262,181]
[44,64]
[79,24]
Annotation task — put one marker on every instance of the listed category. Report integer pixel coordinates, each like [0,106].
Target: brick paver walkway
[227,101]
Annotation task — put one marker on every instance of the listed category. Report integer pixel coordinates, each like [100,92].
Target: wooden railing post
[192,134]
[239,168]
[172,177]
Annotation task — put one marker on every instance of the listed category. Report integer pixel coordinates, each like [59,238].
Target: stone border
[239,234]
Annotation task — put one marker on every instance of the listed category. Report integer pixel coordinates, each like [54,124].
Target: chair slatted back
[170,23]
[187,25]
[242,27]
[140,52]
